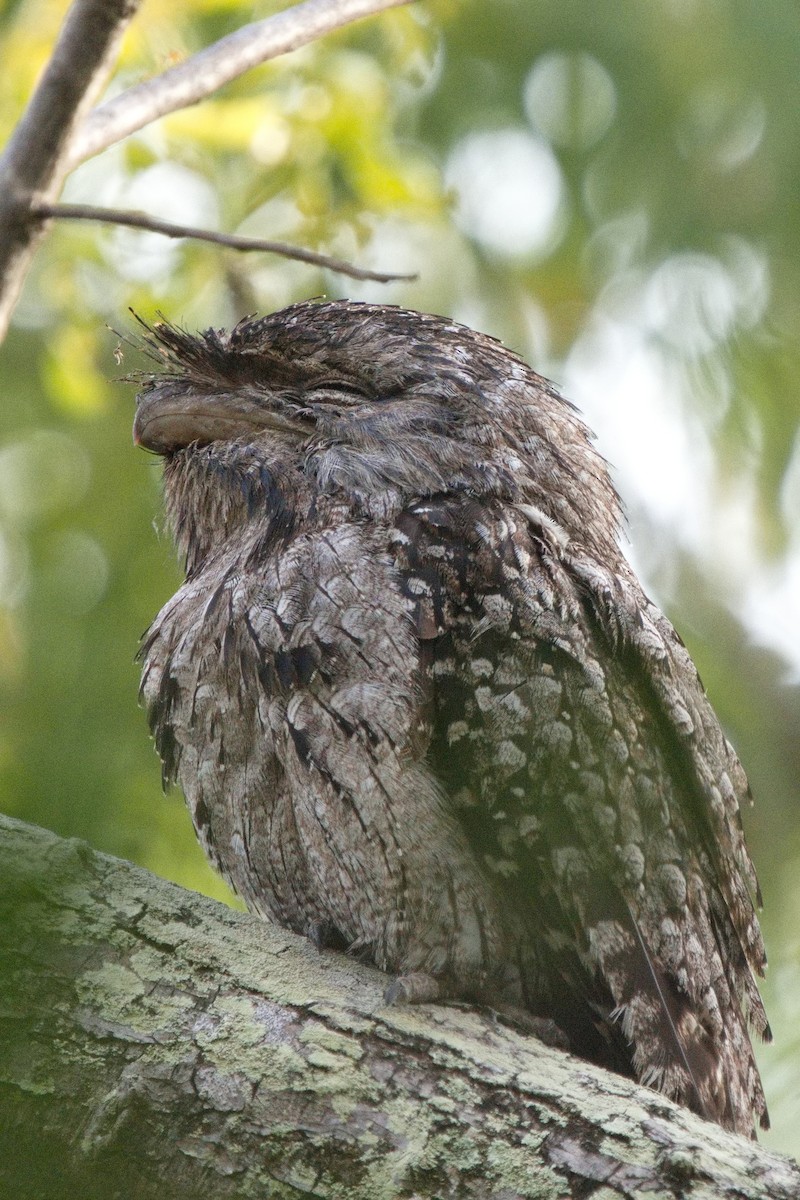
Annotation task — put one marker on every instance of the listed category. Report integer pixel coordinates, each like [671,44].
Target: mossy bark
[154,1043]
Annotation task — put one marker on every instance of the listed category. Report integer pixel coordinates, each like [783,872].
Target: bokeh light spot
[41,475]
[76,570]
[570,99]
[510,193]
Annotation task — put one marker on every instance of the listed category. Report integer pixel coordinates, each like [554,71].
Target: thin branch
[138,220]
[34,161]
[199,76]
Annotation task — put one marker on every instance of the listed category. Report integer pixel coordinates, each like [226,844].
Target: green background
[612,189]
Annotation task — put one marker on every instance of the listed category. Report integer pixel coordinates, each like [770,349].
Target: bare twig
[138,220]
[199,76]
[34,161]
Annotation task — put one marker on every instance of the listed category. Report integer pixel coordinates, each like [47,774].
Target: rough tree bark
[153,1042]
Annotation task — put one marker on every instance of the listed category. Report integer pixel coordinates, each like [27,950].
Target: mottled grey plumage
[419,704]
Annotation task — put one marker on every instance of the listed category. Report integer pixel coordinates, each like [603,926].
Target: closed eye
[336,391]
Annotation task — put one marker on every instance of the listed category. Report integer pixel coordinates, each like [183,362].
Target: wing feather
[576,740]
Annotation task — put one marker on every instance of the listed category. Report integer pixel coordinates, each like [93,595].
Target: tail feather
[679,1043]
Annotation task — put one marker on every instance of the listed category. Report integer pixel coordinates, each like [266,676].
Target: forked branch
[55,132]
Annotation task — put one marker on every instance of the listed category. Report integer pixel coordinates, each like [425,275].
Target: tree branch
[151,1035]
[50,139]
[34,162]
[138,220]
[202,74]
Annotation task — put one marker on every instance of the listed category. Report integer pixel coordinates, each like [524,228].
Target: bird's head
[373,404]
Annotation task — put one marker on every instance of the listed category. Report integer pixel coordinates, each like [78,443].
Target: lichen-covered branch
[153,1039]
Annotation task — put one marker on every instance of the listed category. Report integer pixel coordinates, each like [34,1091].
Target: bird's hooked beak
[168,420]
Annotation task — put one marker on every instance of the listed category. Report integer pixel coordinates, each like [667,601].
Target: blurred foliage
[599,186]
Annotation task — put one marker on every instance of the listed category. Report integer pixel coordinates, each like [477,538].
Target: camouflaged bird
[419,704]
